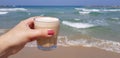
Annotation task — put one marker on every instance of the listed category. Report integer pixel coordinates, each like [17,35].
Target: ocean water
[80,26]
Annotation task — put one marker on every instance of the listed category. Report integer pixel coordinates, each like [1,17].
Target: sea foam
[84,12]
[13,9]
[77,25]
[87,10]
[112,10]
[91,42]
[2,13]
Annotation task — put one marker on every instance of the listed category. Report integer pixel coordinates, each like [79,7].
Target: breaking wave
[88,11]
[78,25]
[13,9]
[85,12]
[2,13]
[97,10]
[92,42]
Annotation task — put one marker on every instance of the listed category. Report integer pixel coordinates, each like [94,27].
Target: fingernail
[50,32]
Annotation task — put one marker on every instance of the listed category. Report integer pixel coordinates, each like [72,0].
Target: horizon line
[59,5]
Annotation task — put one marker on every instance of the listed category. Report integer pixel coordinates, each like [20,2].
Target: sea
[80,26]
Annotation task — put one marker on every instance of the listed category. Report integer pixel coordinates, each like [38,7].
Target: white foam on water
[97,10]
[77,25]
[92,42]
[87,10]
[116,18]
[111,10]
[2,13]
[98,43]
[42,15]
[77,19]
[91,10]
[84,12]
[13,9]
[79,8]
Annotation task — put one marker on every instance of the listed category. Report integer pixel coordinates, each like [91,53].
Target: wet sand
[66,52]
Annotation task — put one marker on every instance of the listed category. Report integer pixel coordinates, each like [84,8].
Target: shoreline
[84,41]
[66,52]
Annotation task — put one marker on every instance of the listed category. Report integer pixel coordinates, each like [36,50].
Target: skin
[15,39]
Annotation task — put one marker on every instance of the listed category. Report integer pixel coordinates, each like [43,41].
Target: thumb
[41,33]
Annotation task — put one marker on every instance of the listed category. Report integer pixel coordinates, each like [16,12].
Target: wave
[92,42]
[2,13]
[102,44]
[78,25]
[85,12]
[13,9]
[116,18]
[88,10]
[97,10]
[112,10]
[76,19]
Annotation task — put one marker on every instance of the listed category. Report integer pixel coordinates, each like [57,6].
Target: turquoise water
[101,24]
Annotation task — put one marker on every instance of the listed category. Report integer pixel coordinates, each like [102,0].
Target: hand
[16,38]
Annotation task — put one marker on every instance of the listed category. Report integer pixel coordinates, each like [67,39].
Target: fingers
[30,22]
[31,19]
[41,33]
[34,33]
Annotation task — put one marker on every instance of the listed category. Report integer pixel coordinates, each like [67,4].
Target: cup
[47,43]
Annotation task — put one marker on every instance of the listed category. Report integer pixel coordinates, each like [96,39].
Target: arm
[15,39]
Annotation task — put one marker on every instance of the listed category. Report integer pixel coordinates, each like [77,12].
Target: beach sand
[66,52]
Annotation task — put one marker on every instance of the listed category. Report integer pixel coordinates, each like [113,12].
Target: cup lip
[46,21]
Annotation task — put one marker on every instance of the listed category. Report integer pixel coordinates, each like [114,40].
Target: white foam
[79,8]
[46,19]
[13,9]
[111,10]
[88,10]
[91,10]
[2,13]
[116,18]
[97,10]
[92,42]
[84,12]
[78,25]
[98,43]
[77,19]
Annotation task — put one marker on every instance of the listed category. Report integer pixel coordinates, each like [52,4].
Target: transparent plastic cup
[47,43]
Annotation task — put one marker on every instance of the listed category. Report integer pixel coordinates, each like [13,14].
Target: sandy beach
[65,52]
